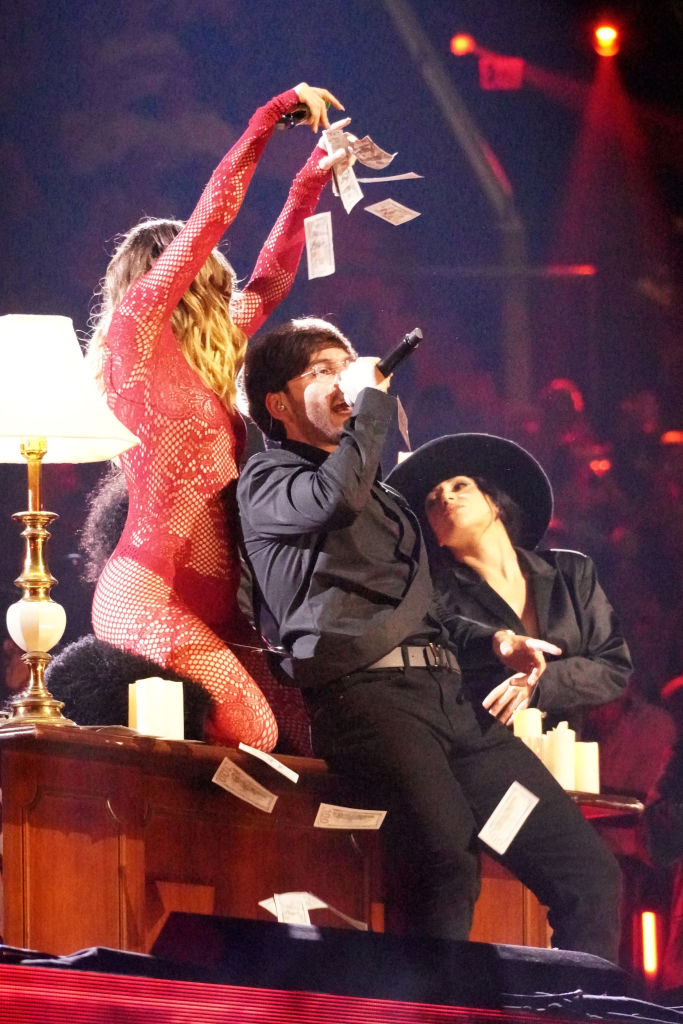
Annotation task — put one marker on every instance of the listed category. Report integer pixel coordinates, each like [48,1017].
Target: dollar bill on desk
[228,776]
[395,213]
[370,154]
[319,247]
[291,907]
[332,816]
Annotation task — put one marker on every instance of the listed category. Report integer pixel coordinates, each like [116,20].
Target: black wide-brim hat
[499,460]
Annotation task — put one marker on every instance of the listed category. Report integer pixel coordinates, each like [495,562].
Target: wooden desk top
[608,805]
[102,741]
[126,745]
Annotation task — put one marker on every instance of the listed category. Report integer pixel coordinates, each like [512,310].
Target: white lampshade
[46,390]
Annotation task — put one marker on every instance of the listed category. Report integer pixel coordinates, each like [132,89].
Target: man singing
[342,571]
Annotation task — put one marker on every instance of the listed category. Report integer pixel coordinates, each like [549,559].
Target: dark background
[113,111]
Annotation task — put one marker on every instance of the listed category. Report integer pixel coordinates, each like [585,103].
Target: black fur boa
[91,678]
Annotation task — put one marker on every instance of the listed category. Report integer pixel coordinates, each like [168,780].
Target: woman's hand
[523,653]
[342,158]
[511,695]
[317,101]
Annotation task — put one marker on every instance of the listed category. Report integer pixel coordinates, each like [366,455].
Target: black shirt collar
[318,455]
[528,560]
[306,451]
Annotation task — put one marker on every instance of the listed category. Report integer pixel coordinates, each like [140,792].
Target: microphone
[389,363]
[293,117]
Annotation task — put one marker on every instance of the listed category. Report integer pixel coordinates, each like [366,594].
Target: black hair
[104,523]
[280,355]
[509,510]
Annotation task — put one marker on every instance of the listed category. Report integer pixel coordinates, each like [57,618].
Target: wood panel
[105,836]
[72,852]
[507,910]
[105,833]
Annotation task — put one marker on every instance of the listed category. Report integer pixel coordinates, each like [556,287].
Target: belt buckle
[431,654]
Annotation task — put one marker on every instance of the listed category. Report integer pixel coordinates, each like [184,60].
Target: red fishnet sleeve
[279,258]
[155,296]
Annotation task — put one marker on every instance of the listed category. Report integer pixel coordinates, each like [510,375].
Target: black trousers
[411,742]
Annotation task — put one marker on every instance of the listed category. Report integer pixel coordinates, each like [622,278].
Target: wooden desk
[104,834]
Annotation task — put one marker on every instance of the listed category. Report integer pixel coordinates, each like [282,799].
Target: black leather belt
[429,656]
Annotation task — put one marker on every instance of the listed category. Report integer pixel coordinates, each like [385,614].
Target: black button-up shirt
[337,555]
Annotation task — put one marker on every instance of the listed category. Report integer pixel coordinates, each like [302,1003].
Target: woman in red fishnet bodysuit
[169,343]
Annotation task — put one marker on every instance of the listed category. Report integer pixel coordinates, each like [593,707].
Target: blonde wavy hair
[212,344]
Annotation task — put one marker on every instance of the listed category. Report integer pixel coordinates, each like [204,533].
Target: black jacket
[572,612]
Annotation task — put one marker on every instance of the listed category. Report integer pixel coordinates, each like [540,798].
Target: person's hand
[337,126]
[523,653]
[512,695]
[342,158]
[317,101]
[338,160]
[359,374]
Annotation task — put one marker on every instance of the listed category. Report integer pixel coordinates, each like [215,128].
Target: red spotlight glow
[565,384]
[600,467]
[462,44]
[606,40]
[650,951]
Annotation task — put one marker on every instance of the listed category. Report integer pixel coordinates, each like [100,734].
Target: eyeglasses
[325,372]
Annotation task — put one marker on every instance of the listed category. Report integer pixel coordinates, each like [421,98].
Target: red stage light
[606,40]
[650,951]
[462,44]
[600,467]
[565,384]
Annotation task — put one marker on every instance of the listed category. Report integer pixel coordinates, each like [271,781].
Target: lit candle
[558,754]
[527,724]
[587,768]
[155,707]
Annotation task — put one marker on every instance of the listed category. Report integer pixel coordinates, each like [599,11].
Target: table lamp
[50,411]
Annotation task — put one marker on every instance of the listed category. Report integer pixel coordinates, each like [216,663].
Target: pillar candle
[558,754]
[527,724]
[587,768]
[155,707]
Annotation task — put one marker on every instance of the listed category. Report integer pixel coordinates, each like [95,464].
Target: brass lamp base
[36,704]
[35,622]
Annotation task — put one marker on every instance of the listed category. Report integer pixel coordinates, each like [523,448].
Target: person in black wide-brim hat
[501,462]
[484,504]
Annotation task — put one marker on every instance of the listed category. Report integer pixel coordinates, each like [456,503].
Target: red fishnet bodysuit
[169,591]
